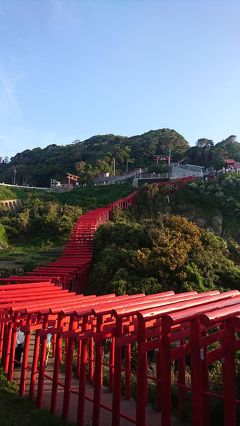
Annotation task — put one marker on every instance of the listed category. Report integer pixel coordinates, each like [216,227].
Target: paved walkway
[128,407]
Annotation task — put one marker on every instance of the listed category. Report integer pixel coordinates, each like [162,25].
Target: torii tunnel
[96,338]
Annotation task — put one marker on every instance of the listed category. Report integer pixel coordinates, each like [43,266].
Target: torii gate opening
[72,178]
[166,158]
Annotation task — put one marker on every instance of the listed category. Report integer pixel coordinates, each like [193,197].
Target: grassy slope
[7,193]
[88,197]
[91,197]
[18,411]
[25,257]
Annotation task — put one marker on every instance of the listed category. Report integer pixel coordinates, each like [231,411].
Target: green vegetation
[92,156]
[8,193]
[88,197]
[3,237]
[214,204]
[50,216]
[39,219]
[95,155]
[33,236]
[151,250]
[23,257]
[18,411]
[91,197]
[161,254]
[206,154]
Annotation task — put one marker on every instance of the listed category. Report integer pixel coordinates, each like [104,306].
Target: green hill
[92,156]
[95,155]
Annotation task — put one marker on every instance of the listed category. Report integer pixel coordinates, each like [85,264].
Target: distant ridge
[38,166]
[96,155]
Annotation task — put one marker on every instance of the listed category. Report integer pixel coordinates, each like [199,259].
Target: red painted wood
[181,325]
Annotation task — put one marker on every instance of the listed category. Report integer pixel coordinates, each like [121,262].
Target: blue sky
[70,69]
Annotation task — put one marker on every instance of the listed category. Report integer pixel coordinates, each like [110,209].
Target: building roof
[230,161]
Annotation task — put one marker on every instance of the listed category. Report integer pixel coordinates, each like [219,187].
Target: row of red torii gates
[189,331]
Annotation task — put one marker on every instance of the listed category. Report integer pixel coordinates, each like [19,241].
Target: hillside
[172,240]
[88,198]
[206,154]
[92,156]
[36,234]
[214,204]
[95,155]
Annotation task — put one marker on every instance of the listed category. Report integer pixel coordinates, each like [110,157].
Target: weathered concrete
[15,204]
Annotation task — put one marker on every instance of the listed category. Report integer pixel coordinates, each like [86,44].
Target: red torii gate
[70,178]
[176,325]
[180,328]
[166,158]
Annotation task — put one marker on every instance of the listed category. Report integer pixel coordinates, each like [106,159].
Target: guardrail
[24,187]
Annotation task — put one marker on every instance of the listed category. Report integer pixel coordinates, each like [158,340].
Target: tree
[80,166]
[160,254]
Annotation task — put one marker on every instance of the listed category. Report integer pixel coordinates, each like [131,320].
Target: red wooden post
[229,374]
[111,364]
[181,381]
[68,370]
[165,366]
[91,360]
[196,377]
[54,345]
[12,354]
[65,348]
[57,361]
[205,397]
[34,366]
[2,337]
[25,361]
[141,376]
[79,351]
[42,365]
[97,376]
[128,354]
[116,400]
[4,343]
[8,346]
[158,383]
[82,379]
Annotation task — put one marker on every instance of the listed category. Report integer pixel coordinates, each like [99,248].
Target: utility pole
[114,166]
[169,156]
[14,175]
